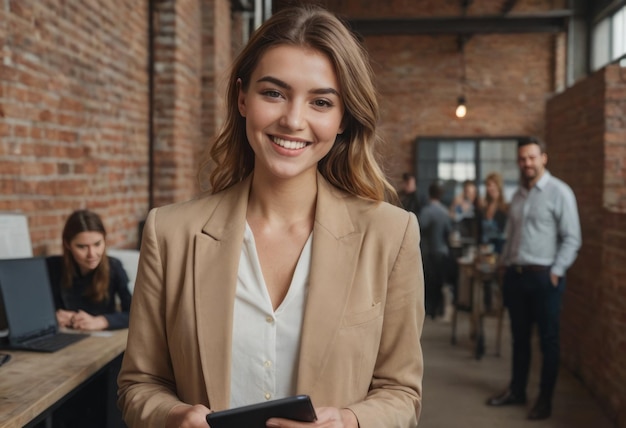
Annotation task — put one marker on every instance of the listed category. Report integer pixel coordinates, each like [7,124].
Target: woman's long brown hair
[500,202]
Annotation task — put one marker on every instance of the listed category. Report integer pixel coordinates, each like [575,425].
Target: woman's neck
[279,201]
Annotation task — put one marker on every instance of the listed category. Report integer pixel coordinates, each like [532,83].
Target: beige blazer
[363,319]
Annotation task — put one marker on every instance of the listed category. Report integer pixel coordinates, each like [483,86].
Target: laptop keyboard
[53,343]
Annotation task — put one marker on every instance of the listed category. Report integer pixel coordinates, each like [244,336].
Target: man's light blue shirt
[543,227]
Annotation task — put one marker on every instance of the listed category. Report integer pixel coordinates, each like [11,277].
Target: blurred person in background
[410,196]
[463,211]
[436,226]
[492,214]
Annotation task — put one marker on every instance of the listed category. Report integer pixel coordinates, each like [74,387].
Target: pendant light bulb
[461,108]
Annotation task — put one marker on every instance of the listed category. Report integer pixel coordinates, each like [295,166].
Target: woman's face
[293,111]
[87,248]
[492,190]
[469,192]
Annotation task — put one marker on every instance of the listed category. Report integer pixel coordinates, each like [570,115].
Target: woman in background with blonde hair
[493,213]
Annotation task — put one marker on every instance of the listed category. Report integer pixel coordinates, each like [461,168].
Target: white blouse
[266,344]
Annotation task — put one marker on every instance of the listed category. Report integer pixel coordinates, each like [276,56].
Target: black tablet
[297,408]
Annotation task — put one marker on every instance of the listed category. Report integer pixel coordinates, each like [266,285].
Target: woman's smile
[289,144]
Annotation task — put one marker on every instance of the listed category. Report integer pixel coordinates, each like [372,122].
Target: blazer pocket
[358,318]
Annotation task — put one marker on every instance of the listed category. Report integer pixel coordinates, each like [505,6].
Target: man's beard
[528,178]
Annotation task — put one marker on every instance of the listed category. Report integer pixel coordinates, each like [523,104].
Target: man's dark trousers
[531,298]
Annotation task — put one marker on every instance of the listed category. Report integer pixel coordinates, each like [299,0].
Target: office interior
[109,106]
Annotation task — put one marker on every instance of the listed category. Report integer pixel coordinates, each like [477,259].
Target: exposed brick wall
[612,288]
[73,109]
[430,8]
[615,140]
[178,106]
[586,136]
[217,56]
[508,76]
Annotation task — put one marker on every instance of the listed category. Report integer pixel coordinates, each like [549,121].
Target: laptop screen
[28,301]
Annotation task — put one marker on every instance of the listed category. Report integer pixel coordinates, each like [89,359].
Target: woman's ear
[241,98]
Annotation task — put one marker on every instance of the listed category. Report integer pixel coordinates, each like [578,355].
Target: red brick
[600,132]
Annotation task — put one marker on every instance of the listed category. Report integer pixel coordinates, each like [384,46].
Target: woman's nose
[293,117]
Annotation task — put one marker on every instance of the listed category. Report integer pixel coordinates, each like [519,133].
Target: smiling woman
[294,276]
[293,117]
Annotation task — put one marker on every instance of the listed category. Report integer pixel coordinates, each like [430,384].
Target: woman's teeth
[291,145]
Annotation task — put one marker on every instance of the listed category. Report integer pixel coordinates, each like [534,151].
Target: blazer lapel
[335,250]
[216,261]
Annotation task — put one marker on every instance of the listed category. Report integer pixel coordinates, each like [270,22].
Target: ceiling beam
[508,6]
[549,22]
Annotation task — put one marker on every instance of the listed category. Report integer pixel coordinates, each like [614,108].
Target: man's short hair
[532,140]
[435,191]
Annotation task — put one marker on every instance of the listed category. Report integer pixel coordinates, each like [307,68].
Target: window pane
[454,161]
[510,152]
[600,44]
[487,167]
[511,173]
[509,190]
[498,156]
[465,151]
[464,171]
[496,149]
[490,151]
[446,151]
[445,171]
[619,33]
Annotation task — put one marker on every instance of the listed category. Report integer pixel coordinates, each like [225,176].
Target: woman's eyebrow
[275,81]
[285,85]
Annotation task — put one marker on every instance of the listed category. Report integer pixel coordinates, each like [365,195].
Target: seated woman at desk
[85,281]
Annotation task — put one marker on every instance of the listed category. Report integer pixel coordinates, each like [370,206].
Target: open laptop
[30,321]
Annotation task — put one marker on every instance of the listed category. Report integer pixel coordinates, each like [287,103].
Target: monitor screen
[27,297]
[4,328]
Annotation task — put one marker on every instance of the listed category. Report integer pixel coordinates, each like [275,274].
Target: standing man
[435,227]
[409,195]
[542,241]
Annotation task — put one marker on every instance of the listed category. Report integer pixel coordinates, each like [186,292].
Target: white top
[266,344]
[543,227]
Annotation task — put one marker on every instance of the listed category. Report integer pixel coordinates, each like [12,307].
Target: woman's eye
[322,103]
[271,94]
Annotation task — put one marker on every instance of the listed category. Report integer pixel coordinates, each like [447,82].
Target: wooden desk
[33,383]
